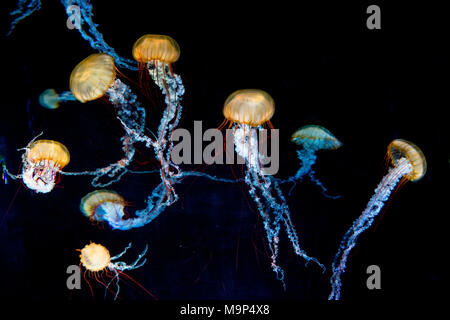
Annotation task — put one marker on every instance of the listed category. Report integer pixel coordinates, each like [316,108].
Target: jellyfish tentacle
[312,138]
[364,221]
[24,9]
[246,145]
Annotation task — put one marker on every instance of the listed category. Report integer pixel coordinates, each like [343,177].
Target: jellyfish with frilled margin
[108,206]
[98,262]
[155,55]
[408,164]
[42,161]
[97,77]
[247,111]
[312,138]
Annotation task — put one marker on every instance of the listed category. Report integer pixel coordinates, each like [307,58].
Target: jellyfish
[157,53]
[95,77]
[408,164]
[108,206]
[248,110]
[50,99]
[312,138]
[41,161]
[96,259]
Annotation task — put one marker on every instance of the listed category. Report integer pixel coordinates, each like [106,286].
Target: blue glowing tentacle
[364,221]
[246,145]
[318,183]
[132,117]
[307,158]
[93,36]
[116,277]
[290,229]
[122,253]
[66,96]
[120,266]
[272,229]
[23,10]
[172,87]
[113,213]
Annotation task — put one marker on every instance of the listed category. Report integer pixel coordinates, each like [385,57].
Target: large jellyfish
[157,53]
[248,110]
[95,258]
[41,162]
[312,138]
[408,164]
[95,77]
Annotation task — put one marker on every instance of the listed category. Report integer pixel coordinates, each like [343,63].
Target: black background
[320,64]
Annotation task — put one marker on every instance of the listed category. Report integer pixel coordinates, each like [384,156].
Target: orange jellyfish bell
[95,257]
[49,150]
[400,148]
[92,77]
[42,160]
[249,106]
[317,136]
[156,47]
[91,201]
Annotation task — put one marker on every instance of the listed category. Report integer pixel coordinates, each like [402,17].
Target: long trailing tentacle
[364,221]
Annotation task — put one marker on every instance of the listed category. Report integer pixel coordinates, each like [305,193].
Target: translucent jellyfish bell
[316,136]
[399,149]
[42,160]
[249,106]
[49,99]
[92,77]
[95,205]
[156,47]
[312,138]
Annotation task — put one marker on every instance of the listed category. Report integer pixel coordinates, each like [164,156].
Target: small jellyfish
[312,138]
[42,160]
[408,164]
[248,110]
[108,206]
[50,99]
[96,259]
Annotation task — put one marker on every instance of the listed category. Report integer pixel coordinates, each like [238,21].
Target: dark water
[321,66]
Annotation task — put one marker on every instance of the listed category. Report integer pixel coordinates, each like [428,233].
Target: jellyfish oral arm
[268,197]
[365,220]
[119,266]
[172,87]
[40,175]
[246,145]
